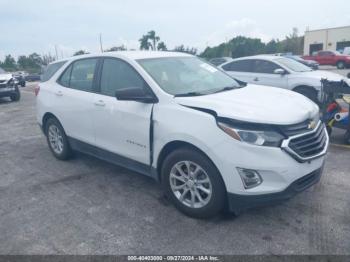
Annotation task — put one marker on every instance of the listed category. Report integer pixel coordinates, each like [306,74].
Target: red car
[333,58]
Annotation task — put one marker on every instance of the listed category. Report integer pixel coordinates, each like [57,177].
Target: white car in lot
[280,72]
[207,139]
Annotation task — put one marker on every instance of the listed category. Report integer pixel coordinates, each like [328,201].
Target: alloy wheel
[56,139]
[190,184]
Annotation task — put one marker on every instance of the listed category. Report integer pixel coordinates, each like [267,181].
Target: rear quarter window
[51,70]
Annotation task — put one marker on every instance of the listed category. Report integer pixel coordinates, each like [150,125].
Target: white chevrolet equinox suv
[210,140]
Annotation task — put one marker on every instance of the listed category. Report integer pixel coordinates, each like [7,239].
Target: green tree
[161,46]
[154,39]
[183,49]
[293,43]
[144,44]
[9,63]
[80,52]
[116,48]
[151,41]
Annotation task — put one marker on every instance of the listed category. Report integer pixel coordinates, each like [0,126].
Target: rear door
[121,127]
[73,101]
[241,70]
[264,74]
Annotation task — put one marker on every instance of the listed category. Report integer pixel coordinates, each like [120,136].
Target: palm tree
[161,46]
[144,44]
[154,38]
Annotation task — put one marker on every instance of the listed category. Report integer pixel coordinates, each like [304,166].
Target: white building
[326,39]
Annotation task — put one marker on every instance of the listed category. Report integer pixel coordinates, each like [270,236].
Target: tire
[23,84]
[16,96]
[212,203]
[340,65]
[347,138]
[309,92]
[57,139]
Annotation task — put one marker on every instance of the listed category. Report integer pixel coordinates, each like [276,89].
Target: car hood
[5,77]
[256,104]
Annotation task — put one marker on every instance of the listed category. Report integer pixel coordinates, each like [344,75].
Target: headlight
[254,137]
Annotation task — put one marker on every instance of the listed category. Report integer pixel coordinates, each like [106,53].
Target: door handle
[100,103]
[256,79]
[59,93]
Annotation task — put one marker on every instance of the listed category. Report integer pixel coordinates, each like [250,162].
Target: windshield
[293,65]
[184,75]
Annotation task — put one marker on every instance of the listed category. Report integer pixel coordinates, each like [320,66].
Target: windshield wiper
[190,94]
[227,88]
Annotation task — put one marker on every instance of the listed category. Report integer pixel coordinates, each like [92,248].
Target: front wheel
[16,96]
[193,183]
[340,65]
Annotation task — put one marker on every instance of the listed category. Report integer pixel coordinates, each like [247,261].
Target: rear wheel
[57,139]
[340,65]
[193,183]
[16,96]
[309,92]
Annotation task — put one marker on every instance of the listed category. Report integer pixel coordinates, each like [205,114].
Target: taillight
[36,90]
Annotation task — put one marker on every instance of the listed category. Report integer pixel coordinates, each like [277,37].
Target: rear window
[51,70]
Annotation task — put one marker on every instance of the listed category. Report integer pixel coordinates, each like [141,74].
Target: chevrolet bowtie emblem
[311,125]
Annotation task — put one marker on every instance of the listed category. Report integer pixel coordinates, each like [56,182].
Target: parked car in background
[210,141]
[280,72]
[333,58]
[32,77]
[8,86]
[20,78]
[220,60]
[346,51]
[310,63]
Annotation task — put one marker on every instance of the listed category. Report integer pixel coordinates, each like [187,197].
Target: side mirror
[137,94]
[348,75]
[279,71]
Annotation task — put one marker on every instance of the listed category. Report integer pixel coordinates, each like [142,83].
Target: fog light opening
[250,178]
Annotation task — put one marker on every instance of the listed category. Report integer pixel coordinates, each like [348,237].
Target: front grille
[296,129]
[310,145]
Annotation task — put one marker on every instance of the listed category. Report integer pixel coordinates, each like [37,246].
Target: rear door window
[51,70]
[82,75]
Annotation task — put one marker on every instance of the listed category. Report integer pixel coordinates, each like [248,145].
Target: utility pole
[56,52]
[101,43]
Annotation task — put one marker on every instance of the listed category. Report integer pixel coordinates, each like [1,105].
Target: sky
[70,25]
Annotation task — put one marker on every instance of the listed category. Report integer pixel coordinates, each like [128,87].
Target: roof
[133,55]
[265,57]
[325,29]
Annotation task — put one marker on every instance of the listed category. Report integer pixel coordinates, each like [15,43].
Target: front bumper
[239,203]
[7,91]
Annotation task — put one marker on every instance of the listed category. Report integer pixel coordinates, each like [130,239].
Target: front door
[263,72]
[121,127]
